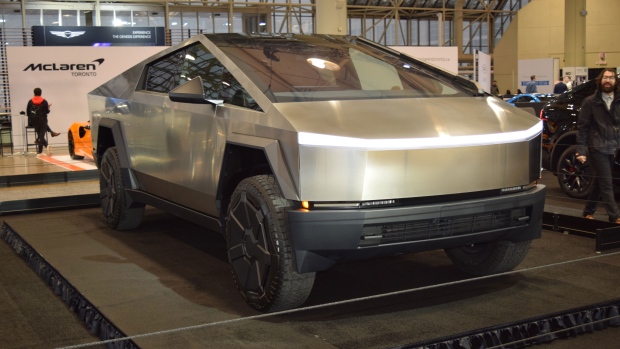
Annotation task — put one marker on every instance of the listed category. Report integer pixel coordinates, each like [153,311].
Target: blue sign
[538,83]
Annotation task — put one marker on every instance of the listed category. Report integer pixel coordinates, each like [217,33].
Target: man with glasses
[599,137]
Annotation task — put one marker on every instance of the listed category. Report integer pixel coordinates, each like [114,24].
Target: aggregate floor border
[97,323]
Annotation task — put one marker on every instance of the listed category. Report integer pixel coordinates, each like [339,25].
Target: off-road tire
[114,205]
[259,247]
[72,147]
[489,258]
[575,179]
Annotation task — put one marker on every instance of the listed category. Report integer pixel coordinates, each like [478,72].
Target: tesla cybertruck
[309,150]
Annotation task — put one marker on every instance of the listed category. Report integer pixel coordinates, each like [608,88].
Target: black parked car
[559,118]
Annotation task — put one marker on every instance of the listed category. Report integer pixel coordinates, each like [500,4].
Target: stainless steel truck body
[307,150]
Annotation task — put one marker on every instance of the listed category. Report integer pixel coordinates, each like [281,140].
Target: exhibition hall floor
[167,284]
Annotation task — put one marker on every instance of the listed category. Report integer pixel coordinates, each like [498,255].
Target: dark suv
[559,118]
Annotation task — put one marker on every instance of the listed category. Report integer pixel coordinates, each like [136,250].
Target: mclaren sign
[63,66]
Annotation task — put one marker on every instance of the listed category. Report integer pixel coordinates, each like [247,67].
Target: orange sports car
[80,144]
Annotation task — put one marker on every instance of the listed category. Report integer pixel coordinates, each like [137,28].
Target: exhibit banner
[66,75]
[97,36]
[542,68]
[482,70]
[445,57]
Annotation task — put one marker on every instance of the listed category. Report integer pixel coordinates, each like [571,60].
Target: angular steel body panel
[358,175]
[324,150]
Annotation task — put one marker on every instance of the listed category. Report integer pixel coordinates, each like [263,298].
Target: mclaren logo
[65,66]
[67,34]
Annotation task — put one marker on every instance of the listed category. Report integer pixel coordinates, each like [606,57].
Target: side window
[162,75]
[233,93]
[194,61]
[198,61]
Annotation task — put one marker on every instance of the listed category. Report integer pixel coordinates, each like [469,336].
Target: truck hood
[421,119]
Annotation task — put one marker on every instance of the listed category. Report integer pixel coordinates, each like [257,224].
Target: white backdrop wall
[542,68]
[66,75]
[445,57]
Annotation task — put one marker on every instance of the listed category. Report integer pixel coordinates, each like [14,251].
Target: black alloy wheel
[72,147]
[259,247]
[490,257]
[119,214]
[575,178]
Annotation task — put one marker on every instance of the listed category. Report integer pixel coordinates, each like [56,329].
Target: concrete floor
[169,275]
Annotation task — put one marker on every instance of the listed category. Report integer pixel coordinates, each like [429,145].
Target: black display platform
[168,284]
[50,177]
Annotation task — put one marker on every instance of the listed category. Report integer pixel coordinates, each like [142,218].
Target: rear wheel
[118,213]
[72,147]
[489,258]
[259,247]
[575,178]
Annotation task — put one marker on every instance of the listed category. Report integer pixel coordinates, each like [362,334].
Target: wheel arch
[110,134]
[250,157]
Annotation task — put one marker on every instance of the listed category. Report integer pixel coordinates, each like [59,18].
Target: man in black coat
[560,87]
[37,111]
[599,135]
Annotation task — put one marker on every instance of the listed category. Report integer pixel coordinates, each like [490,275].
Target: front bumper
[321,238]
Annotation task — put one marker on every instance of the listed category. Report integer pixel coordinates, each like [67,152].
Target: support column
[575,33]
[23,9]
[97,14]
[458,32]
[331,17]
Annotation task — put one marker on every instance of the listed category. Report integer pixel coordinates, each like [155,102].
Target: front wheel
[575,178]
[72,147]
[259,247]
[489,258]
[119,214]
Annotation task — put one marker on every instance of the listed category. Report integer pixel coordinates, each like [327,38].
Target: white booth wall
[64,88]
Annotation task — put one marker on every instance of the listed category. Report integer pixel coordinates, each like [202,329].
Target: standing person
[599,133]
[530,87]
[568,82]
[37,111]
[560,87]
[495,88]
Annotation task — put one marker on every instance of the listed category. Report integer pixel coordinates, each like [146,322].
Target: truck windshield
[321,67]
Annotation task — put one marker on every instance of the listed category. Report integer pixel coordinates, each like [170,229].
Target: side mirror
[22,113]
[190,92]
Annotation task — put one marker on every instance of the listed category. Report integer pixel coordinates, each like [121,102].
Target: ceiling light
[323,64]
